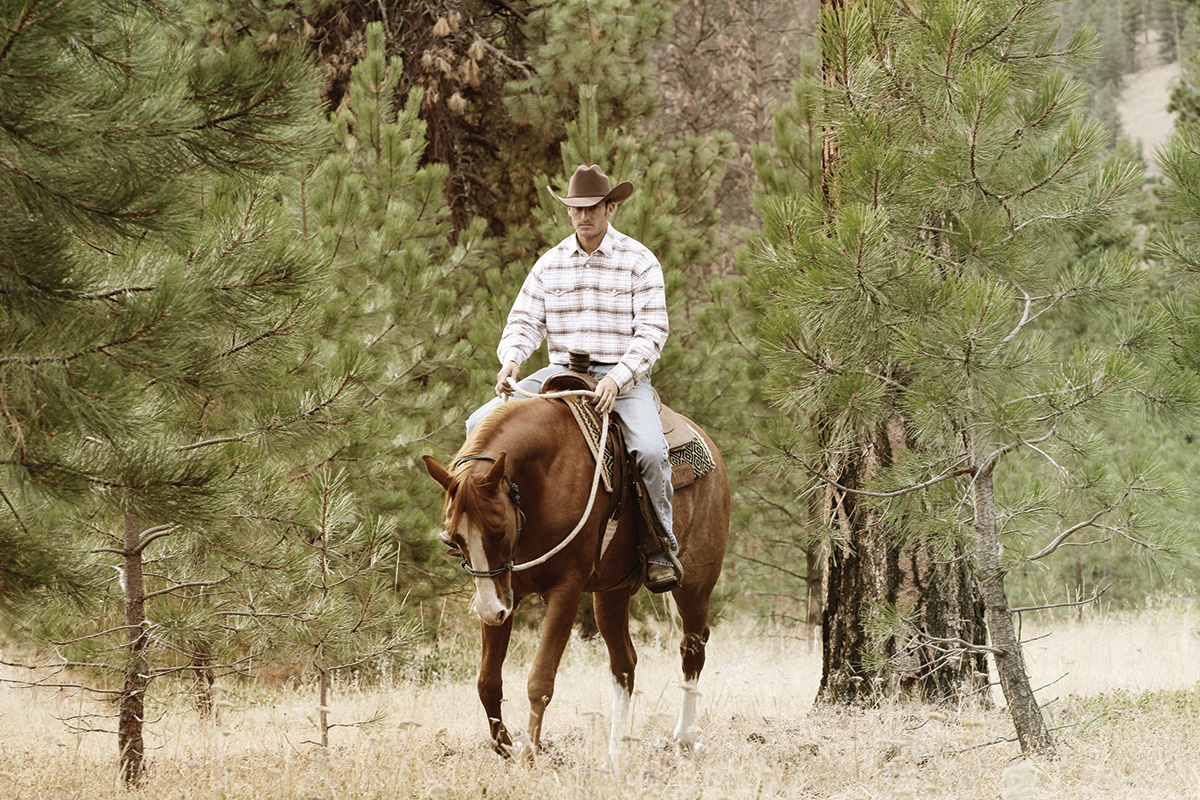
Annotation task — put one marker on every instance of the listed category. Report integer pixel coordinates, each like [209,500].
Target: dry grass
[1127,684]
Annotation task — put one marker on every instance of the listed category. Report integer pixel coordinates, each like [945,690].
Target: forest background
[236,410]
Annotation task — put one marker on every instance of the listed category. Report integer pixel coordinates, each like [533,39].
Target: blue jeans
[639,423]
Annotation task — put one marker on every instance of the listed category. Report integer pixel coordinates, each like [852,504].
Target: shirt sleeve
[526,326]
[650,325]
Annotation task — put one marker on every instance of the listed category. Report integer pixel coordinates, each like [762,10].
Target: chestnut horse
[518,486]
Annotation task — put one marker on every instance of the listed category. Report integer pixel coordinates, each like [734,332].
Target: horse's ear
[437,471]
[496,473]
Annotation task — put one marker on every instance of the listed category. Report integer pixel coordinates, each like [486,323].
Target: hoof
[520,749]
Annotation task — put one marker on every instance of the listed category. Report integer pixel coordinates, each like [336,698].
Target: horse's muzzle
[493,599]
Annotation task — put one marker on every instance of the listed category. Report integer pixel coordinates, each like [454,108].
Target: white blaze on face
[490,602]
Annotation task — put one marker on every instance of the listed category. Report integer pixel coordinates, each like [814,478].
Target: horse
[519,484]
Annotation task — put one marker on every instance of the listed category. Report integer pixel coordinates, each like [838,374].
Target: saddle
[687,453]
[686,449]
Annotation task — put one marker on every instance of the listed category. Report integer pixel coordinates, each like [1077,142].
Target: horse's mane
[466,493]
[485,431]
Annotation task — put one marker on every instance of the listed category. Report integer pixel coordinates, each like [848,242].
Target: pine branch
[29,18]
[1003,29]
[117,214]
[917,487]
[1058,541]
[1074,604]
[136,336]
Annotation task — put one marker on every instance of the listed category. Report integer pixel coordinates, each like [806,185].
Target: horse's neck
[514,432]
[534,436]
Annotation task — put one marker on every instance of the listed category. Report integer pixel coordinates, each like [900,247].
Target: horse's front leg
[490,683]
[561,608]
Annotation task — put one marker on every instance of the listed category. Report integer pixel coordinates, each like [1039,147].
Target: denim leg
[533,383]
[644,439]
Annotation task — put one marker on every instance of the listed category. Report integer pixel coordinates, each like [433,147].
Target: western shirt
[611,304]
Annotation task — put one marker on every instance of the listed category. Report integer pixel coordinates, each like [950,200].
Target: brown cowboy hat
[589,186]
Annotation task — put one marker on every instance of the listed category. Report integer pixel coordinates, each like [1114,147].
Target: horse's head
[482,526]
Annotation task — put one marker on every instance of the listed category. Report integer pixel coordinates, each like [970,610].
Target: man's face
[591,223]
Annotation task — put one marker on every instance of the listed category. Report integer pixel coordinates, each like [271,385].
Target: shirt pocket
[565,295]
[615,301]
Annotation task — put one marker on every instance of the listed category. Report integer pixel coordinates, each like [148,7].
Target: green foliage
[926,288]
[403,298]
[791,164]
[156,375]
[129,296]
[601,44]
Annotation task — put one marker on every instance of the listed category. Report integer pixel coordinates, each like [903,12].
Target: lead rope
[595,478]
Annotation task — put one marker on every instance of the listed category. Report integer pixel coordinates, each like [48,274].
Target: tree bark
[323,711]
[137,669]
[896,622]
[1010,663]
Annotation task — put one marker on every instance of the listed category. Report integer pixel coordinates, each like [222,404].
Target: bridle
[514,494]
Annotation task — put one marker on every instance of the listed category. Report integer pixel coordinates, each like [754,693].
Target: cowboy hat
[589,186]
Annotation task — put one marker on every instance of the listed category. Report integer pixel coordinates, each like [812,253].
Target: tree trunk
[323,711]
[137,669]
[202,684]
[1010,663]
[937,609]
[896,620]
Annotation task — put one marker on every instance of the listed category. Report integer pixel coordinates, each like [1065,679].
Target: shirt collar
[606,244]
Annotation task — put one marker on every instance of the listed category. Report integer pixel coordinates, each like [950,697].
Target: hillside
[1143,103]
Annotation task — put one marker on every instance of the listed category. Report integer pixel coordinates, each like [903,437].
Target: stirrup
[663,577]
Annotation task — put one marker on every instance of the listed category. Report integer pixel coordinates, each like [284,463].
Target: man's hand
[511,369]
[606,394]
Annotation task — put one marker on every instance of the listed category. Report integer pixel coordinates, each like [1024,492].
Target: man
[602,292]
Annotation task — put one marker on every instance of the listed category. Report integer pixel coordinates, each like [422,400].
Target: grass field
[1123,686]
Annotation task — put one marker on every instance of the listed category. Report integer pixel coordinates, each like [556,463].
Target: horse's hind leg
[490,685]
[693,612]
[612,618]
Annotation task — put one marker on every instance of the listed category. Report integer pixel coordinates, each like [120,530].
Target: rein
[515,494]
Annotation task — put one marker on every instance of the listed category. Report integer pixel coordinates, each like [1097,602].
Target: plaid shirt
[611,304]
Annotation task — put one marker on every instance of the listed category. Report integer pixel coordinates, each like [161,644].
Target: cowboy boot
[663,571]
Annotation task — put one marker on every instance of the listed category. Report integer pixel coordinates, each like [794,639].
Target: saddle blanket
[689,460]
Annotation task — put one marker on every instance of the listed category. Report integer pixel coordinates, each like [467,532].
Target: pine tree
[144,292]
[912,302]
[405,298]
[880,597]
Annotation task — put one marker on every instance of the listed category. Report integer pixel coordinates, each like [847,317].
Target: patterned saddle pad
[688,454]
